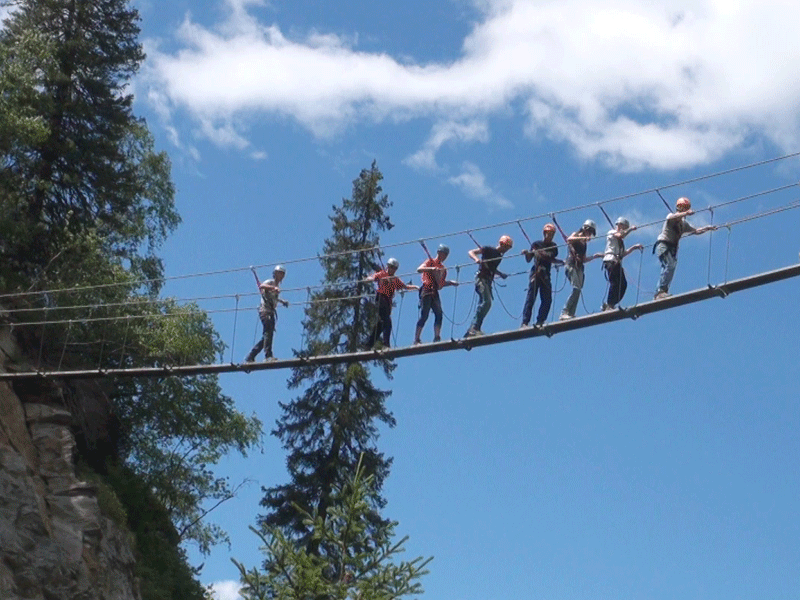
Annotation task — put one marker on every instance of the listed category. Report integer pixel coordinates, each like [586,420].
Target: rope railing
[600,203]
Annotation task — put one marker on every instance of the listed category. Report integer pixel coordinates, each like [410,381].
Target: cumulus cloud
[473,182]
[225,590]
[634,85]
[444,132]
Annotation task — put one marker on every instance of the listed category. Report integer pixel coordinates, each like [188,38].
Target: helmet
[549,227]
[506,241]
[279,269]
[393,262]
[684,204]
[589,224]
[624,222]
[443,249]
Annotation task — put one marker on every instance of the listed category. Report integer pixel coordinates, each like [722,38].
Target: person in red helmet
[544,254]
[268,312]
[488,259]
[666,247]
[388,284]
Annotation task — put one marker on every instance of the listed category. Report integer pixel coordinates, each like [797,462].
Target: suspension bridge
[47,312]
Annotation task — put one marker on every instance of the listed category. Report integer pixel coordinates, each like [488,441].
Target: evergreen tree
[365,571]
[334,422]
[85,202]
[94,167]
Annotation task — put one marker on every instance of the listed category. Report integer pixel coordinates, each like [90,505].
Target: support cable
[468,232]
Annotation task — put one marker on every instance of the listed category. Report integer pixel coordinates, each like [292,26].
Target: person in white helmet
[388,284]
[434,278]
[268,312]
[612,261]
[666,247]
[488,259]
[577,245]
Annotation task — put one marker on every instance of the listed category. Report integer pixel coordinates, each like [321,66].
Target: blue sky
[655,459]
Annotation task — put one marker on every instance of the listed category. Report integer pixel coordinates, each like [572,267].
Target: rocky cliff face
[55,543]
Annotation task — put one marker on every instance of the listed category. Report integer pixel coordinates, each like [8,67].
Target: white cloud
[632,84]
[444,132]
[225,590]
[472,181]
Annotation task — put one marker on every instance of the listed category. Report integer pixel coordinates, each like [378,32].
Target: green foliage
[161,564]
[361,566]
[85,203]
[334,422]
[88,165]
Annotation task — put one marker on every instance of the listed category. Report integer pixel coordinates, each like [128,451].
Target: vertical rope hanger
[235,320]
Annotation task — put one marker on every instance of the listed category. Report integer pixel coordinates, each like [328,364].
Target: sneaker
[472,332]
[608,307]
[270,359]
[661,294]
[250,358]
[524,326]
[437,339]
[565,317]
[417,342]
[539,324]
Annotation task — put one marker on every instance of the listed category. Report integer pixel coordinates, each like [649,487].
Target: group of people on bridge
[543,254]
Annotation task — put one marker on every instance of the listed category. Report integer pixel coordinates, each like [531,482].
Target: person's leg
[530,298]
[484,290]
[623,283]
[386,318]
[575,276]
[436,306]
[614,271]
[546,295]
[425,304]
[668,264]
[251,356]
[269,332]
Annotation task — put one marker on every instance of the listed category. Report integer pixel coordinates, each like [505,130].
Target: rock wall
[55,543]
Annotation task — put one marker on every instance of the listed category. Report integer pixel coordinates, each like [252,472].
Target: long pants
[384,325]
[265,343]
[428,303]
[484,290]
[575,275]
[540,283]
[669,261]
[617,283]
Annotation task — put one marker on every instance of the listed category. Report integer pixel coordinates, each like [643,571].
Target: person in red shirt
[388,284]
[434,278]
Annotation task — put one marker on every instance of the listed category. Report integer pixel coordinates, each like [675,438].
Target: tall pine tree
[94,168]
[335,420]
[85,202]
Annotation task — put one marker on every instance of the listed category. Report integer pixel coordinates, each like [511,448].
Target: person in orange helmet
[544,254]
[666,247]
[488,259]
